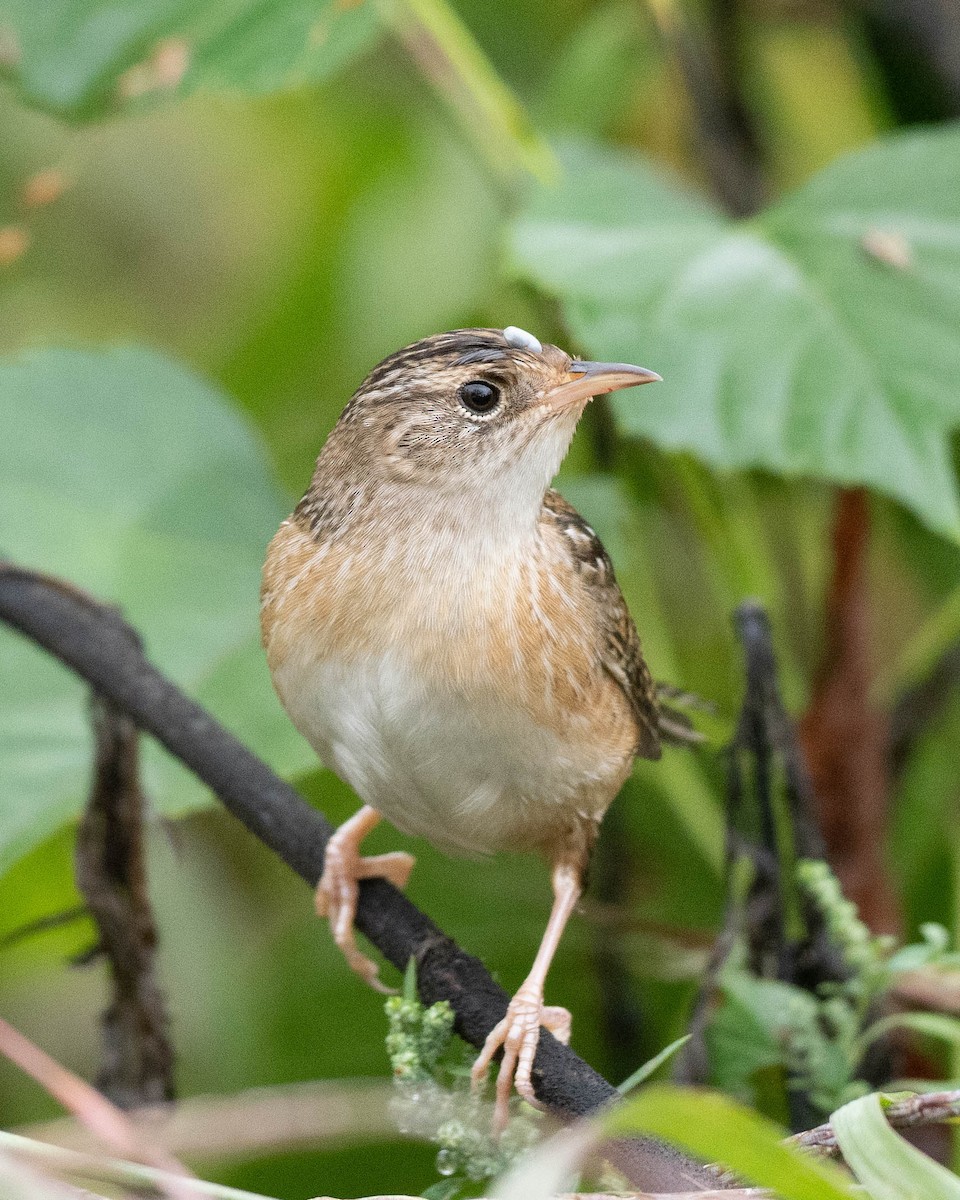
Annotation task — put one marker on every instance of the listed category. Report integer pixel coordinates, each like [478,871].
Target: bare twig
[94,641]
[111,875]
[722,1194]
[928,988]
[928,1108]
[88,1105]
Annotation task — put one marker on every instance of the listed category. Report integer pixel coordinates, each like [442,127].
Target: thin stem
[92,1168]
[88,1105]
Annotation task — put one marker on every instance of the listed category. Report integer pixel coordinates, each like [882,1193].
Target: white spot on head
[522,340]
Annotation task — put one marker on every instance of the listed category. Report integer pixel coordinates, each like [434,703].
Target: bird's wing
[621,655]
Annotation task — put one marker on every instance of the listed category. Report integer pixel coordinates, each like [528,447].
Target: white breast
[463,770]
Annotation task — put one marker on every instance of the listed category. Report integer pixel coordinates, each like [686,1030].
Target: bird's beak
[588,379]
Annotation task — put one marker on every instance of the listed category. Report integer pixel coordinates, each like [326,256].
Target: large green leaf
[126,474]
[821,338]
[884,1162]
[97,57]
[93,56]
[716,1129]
[709,1126]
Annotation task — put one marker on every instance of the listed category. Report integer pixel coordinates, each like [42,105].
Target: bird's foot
[518,1035]
[337,891]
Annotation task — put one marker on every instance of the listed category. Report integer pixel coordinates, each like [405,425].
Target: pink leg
[519,1031]
[336,896]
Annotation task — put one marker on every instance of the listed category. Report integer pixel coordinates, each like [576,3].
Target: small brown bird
[447,633]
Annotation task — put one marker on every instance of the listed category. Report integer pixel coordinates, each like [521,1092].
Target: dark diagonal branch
[94,641]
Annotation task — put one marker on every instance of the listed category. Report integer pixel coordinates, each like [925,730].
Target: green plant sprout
[432,1099]
[818,1040]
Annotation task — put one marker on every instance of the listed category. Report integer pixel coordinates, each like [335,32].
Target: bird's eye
[479,396]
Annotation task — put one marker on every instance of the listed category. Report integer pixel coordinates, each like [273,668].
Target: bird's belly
[468,770]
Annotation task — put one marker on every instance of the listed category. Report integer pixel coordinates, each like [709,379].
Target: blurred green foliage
[215,218]
[86,57]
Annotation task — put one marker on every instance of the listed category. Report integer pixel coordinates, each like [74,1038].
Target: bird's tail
[674,724]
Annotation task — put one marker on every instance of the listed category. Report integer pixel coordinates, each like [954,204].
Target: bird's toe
[559,1022]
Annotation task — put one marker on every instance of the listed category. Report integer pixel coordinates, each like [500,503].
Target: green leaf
[596,73]
[887,1165]
[410,982]
[927,1024]
[92,57]
[129,476]
[818,339]
[716,1129]
[645,1070]
[748,1031]
[445,1189]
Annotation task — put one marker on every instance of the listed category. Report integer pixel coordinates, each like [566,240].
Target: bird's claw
[518,1035]
[337,892]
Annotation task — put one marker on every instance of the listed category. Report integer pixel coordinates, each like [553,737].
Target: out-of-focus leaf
[923,820]
[153,494]
[716,1129]
[746,1032]
[549,1167]
[92,57]
[19,1182]
[934,948]
[817,339]
[446,1189]
[927,1024]
[884,1162]
[765,1023]
[101,1170]
[602,62]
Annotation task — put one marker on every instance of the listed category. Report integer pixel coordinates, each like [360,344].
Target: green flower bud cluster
[432,1098]
[865,954]
[418,1037]
[469,1150]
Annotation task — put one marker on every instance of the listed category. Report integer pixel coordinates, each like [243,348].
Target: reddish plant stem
[845,740]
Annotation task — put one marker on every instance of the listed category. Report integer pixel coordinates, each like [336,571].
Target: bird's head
[476,409]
